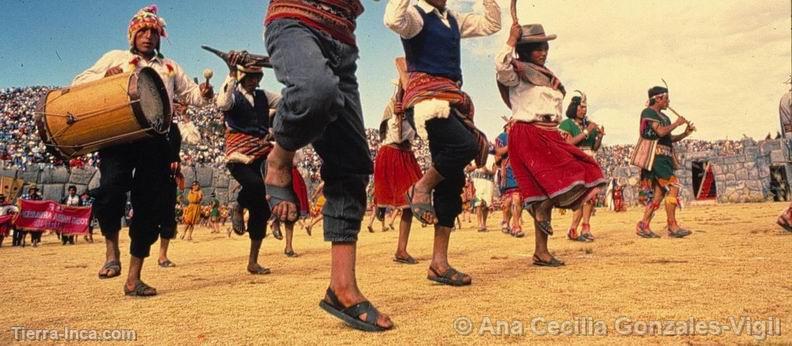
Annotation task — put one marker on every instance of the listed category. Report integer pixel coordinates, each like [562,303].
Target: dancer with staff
[549,171]
[246,114]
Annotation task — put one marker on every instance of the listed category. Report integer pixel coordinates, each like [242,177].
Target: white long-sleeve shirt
[529,102]
[225,99]
[405,20]
[177,83]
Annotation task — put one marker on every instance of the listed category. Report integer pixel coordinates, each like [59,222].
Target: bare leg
[577,215]
[507,214]
[671,210]
[289,237]
[659,194]
[371,220]
[133,277]
[344,283]
[404,234]
[112,252]
[587,210]
[543,213]
[163,253]
[440,253]
[516,211]
[480,217]
[484,215]
[253,266]
[395,213]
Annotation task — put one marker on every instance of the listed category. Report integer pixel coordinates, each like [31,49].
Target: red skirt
[395,171]
[301,190]
[546,166]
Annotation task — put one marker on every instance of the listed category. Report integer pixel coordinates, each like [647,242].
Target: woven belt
[482,176]
[332,9]
[664,150]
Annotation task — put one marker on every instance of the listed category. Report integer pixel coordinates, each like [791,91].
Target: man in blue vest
[441,112]
[246,111]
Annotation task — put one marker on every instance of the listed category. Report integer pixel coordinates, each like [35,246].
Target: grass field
[736,263]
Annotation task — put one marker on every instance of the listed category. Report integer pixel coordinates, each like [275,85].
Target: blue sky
[726,62]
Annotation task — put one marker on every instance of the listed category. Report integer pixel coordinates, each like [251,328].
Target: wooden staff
[247,58]
[514,11]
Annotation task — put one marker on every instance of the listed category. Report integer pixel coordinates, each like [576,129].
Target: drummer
[148,158]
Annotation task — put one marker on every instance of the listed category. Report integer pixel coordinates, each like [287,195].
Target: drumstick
[207,73]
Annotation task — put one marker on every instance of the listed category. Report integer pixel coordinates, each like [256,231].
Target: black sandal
[784,224]
[280,194]
[260,271]
[447,278]
[166,264]
[237,219]
[290,253]
[351,315]
[553,262]
[408,260]
[545,227]
[276,232]
[140,290]
[114,266]
[679,233]
[421,209]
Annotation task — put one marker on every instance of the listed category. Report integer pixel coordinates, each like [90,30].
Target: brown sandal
[451,277]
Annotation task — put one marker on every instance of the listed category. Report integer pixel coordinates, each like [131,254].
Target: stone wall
[740,178]
[53,182]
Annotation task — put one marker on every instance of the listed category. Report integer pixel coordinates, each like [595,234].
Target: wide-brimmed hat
[243,71]
[532,33]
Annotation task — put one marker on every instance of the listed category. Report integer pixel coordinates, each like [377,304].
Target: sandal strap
[333,298]
[363,307]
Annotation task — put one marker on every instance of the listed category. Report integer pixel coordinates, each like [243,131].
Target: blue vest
[436,49]
[253,120]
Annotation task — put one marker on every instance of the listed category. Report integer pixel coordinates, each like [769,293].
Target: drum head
[154,103]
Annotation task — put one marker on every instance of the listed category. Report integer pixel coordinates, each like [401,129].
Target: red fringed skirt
[546,166]
[301,190]
[395,171]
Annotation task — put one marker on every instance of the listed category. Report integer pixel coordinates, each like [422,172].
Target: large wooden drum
[118,109]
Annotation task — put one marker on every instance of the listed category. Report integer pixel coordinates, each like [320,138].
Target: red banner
[48,215]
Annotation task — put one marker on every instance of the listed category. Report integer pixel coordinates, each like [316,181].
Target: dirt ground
[736,266]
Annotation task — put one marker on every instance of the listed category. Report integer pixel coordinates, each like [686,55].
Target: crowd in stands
[21,146]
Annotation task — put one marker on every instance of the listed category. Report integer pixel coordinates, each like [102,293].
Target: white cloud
[725,61]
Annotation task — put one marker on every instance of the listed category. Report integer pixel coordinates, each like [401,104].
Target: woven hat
[532,33]
[146,18]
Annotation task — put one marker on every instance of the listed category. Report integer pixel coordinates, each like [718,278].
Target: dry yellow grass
[737,263]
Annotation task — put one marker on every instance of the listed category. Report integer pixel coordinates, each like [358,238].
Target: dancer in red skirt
[549,171]
[396,169]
